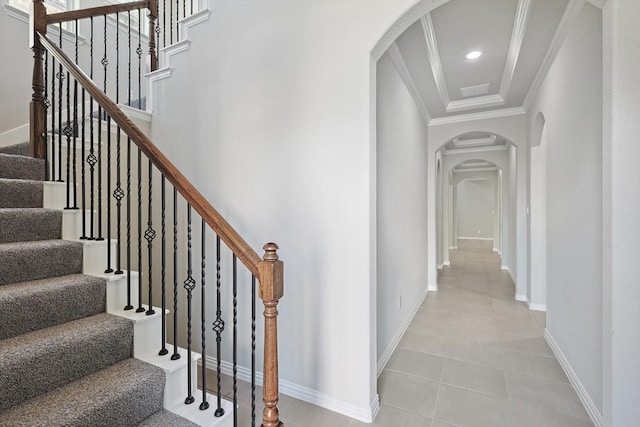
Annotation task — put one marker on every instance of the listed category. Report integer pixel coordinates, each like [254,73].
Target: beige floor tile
[390,416]
[467,408]
[417,341]
[541,317]
[408,392]
[533,345]
[549,396]
[534,365]
[438,423]
[525,327]
[415,363]
[528,415]
[467,351]
[474,377]
[308,415]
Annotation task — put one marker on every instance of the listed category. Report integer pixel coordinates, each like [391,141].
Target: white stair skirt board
[586,400]
[384,359]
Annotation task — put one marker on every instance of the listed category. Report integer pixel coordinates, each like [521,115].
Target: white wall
[511,217]
[571,100]
[401,208]
[280,141]
[475,205]
[621,234]
[537,292]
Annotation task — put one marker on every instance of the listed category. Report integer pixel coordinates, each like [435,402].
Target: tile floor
[471,357]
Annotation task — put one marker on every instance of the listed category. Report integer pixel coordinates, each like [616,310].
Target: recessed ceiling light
[474,54]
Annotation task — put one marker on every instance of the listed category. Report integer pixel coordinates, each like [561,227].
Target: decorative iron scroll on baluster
[218,327]
[163,275]
[150,235]
[189,285]
[235,338]
[204,404]
[175,355]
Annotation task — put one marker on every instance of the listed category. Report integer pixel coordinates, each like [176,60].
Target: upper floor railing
[113,171]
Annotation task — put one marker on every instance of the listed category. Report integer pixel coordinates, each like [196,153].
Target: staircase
[64,361]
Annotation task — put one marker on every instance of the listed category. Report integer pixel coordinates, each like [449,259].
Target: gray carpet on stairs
[29,224]
[39,304]
[122,395]
[39,361]
[25,261]
[21,149]
[20,193]
[21,167]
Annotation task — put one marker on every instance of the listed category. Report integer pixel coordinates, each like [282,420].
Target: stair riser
[117,292]
[95,256]
[72,223]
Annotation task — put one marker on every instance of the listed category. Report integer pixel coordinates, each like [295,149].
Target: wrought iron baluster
[175,355]
[91,159]
[68,133]
[253,351]
[118,194]
[139,52]
[75,127]
[105,65]
[235,339]
[129,56]
[204,404]
[218,327]
[177,20]
[150,235]
[164,23]
[189,285]
[163,349]
[140,308]
[46,104]
[53,119]
[60,86]
[129,305]
[170,22]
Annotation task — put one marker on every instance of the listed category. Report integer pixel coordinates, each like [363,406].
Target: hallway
[475,357]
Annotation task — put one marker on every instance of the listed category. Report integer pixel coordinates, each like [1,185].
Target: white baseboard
[537,307]
[522,298]
[447,264]
[384,359]
[474,238]
[15,136]
[586,400]
[306,394]
[432,288]
[453,247]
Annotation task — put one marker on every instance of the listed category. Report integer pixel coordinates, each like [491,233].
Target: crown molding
[464,143]
[493,114]
[519,28]
[568,18]
[475,102]
[453,151]
[398,61]
[482,169]
[434,57]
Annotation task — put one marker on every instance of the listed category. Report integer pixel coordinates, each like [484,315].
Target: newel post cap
[271,274]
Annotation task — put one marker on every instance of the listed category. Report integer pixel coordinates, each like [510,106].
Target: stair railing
[67,97]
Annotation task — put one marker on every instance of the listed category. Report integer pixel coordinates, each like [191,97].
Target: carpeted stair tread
[21,149]
[29,224]
[122,395]
[37,362]
[20,193]
[25,261]
[166,418]
[39,304]
[21,167]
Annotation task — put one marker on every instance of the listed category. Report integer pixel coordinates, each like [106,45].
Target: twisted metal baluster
[68,133]
[140,308]
[60,85]
[164,23]
[175,355]
[253,351]
[204,404]
[118,194]
[218,327]
[91,159]
[150,235]
[139,52]
[189,285]
[129,305]
[129,47]
[53,119]
[75,128]
[105,64]
[163,349]
[170,22]
[46,104]
[235,339]
[177,19]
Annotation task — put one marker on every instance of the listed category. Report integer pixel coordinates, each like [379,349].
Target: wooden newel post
[271,290]
[37,111]
[153,14]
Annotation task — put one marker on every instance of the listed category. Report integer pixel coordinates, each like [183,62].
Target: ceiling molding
[484,169]
[451,151]
[519,28]
[475,102]
[474,142]
[568,18]
[493,114]
[434,57]
[401,66]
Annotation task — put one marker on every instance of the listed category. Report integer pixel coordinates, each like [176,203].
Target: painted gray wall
[475,204]
[401,206]
[571,100]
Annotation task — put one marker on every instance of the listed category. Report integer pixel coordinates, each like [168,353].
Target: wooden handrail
[72,15]
[232,239]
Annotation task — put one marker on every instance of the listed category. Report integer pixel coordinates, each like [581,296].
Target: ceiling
[518,40]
